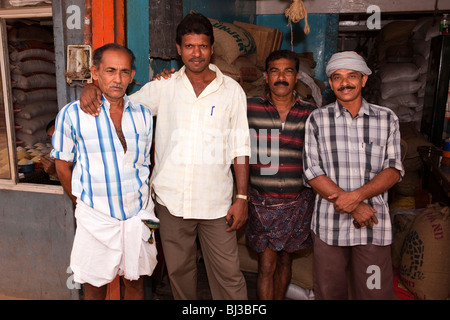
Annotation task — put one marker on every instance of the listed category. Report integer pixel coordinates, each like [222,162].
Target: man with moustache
[352,156]
[280,206]
[201,132]
[103,164]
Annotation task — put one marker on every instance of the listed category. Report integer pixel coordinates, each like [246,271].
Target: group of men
[327,188]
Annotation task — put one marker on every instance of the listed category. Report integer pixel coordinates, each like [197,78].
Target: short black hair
[195,23]
[98,53]
[286,54]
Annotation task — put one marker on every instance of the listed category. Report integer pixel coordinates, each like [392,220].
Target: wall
[36,236]
[354,6]
[37,229]
[322,39]
[225,10]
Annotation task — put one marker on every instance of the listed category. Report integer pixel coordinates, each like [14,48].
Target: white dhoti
[105,247]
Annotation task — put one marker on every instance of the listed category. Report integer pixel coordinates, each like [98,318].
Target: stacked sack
[423,32]
[425,255]
[33,82]
[234,49]
[398,72]
[237,55]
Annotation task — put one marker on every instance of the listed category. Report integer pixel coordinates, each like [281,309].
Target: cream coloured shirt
[196,140]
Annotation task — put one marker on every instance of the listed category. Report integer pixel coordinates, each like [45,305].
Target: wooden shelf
[26,12]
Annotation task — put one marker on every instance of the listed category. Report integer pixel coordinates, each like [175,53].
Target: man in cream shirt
[201,134]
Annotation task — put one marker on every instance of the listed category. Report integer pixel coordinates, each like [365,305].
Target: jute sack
[401,225]
[231,41]
[425,264]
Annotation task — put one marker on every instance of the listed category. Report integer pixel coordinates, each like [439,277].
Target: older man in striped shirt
[103,165]
[352,156]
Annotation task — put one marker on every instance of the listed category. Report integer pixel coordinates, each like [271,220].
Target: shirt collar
[365,109]
[297,102]
[127,103]
[219,75]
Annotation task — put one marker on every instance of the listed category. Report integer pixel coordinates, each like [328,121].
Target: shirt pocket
[137,148]
[214,135]
[375,154]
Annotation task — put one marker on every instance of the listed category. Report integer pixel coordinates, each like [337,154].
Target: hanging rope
[296,12]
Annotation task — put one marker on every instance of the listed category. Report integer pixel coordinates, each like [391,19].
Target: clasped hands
[350,202]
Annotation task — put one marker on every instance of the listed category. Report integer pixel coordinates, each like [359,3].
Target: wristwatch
[241,196]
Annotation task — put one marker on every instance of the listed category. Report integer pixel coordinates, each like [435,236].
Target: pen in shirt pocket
[212,110]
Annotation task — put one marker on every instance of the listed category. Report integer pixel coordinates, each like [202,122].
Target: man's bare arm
[363,213]
[91,99]
[239,209]
[64,171]
[383,181]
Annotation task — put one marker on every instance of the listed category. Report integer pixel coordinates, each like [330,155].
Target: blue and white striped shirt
[104,176]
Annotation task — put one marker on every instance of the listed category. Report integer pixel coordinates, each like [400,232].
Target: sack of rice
[231,41]
[393,89]
[226,68]
[425,264]
[248,70]
[30,49]
[401,223]
[33,80]
[394,72]
[33,65]
[32,95]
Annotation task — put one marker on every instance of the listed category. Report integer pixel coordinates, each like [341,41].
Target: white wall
[350,6]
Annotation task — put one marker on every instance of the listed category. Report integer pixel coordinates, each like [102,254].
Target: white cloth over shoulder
[105,247]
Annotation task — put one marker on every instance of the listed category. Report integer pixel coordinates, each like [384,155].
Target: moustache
[346,87]
[196,60]
[283,83]
[116,87]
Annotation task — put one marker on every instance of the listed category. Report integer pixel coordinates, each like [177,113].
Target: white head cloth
[347,60]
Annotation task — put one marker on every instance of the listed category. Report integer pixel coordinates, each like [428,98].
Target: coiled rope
[296,12]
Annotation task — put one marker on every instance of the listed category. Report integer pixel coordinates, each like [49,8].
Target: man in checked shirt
[352,156]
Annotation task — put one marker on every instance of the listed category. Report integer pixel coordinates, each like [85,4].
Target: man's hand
[364,215]
[345,202]
[237,215]
[48,165]
[91,99]
[166,74]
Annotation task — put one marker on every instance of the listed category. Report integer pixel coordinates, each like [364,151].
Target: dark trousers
[369,268]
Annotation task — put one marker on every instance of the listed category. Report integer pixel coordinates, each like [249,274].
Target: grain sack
[401,224]
[35,109]
[409,184]
[422,47]
[395,72]
[397,30]
[393,89]
[247,69]
[231,41]
[406,100]
[30,32]
[30,126]
[30,139]
[32,65]
[421,63]
[28,96]
[425,264]
[32,81]
[226,68]
[30,49]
